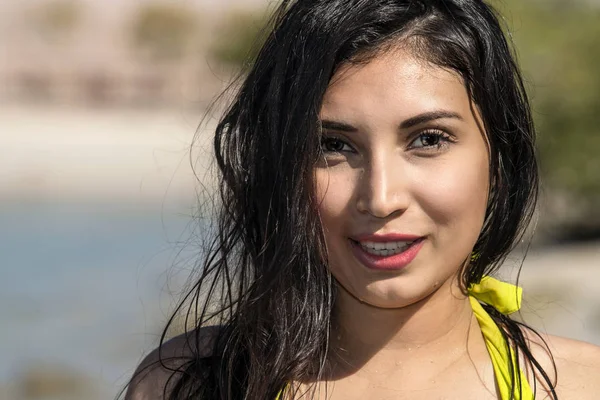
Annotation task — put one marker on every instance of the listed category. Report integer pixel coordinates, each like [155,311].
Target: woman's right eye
[334,145]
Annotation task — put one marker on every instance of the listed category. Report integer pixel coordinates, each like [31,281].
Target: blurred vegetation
[163,31]
[558,47]
[240,37]
[56,20]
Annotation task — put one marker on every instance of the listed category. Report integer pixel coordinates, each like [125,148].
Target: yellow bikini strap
[505,298]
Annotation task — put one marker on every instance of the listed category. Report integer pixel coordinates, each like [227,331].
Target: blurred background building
[100,103]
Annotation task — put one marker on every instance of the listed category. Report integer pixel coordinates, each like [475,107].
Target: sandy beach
[99,155]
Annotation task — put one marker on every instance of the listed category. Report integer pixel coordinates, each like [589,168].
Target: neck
[366,334]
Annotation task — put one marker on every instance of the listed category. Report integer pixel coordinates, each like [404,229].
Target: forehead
[394,84]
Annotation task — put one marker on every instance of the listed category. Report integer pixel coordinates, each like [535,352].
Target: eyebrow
[409,123]
[429,116]
[337,126]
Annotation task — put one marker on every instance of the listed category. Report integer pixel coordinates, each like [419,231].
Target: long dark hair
[264,280]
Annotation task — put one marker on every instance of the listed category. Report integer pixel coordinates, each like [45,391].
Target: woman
[377,166]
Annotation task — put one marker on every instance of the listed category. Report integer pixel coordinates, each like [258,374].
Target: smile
[386,255]
[383,249]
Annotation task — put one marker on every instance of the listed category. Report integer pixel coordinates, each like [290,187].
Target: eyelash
[332,139]
[442,137]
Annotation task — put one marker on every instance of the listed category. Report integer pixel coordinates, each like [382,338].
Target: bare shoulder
[577,373]
[158,370]
[578,368]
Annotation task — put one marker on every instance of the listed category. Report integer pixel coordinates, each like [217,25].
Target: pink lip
[388,263]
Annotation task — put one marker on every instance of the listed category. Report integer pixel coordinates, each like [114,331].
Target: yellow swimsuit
[505,298]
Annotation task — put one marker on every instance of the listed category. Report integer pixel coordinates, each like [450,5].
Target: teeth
[385,248]
[385,245]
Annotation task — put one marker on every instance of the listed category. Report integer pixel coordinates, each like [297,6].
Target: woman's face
[403,185]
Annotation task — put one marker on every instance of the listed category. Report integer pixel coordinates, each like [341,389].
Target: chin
[384,296]
[390,292]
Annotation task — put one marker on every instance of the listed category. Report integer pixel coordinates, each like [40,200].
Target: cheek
[457,195]
[334,194]
[334,191]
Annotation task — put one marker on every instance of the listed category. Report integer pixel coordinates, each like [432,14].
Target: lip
[387,237]
[387,263]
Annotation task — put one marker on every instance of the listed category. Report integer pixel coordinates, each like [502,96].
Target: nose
[383,188]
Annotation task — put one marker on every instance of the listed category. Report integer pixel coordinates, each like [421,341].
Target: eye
[335,145]
[432,139]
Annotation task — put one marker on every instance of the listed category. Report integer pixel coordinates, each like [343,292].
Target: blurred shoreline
[66,154]
[99,193]
[145,157]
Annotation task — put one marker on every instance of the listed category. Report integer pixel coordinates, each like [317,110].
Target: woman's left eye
[431,139]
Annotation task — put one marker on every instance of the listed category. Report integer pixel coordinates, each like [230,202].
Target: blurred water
[86,287]
[81,286]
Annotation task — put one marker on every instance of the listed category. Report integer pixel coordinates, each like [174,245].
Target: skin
[429,179]
[390,179]
[410,333]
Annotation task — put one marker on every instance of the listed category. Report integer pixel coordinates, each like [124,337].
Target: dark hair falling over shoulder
[266,269]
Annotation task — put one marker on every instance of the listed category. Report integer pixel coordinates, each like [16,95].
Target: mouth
[384,249]
[386,255]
